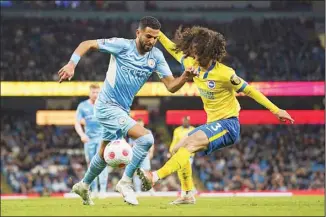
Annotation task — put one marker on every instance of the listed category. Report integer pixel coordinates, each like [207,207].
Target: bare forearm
[79,129]
[177,83]
[85,46]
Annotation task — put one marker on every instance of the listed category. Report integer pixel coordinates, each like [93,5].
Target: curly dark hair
[149,21]
[203,42]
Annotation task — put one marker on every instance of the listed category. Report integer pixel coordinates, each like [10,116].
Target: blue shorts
[220,134]
[115,121]
[91,148]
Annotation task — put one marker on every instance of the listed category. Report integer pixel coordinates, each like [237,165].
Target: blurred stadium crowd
[46,159]
[276,49]
[102,5]
[51,159]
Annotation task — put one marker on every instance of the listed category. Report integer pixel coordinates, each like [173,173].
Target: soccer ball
[118,153]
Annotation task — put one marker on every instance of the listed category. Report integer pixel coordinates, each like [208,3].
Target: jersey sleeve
[111,45]
[169,46]
[240,85]
[162,69]
[79,113]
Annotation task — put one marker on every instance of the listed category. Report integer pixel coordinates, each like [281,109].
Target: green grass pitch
[158,206]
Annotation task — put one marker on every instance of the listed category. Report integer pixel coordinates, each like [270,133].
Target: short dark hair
[207,44]
[149,21]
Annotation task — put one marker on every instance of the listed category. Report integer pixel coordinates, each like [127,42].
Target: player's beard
[144,47]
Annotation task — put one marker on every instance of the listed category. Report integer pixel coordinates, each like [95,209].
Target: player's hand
[190,72]
[67,72]
[84,138]
[283,116]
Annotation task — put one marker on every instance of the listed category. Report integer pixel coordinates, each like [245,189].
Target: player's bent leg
[89,154]
[185,173]
[143,142]
[104,175]
[96,167]
[185,177]
[195,142]
[187,186]
[186,180]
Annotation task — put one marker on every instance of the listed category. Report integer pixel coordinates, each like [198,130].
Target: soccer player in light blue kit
[92,136]
[146,164]
[132,63]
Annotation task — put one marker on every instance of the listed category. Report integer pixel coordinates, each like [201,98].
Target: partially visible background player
[146,164]
[217,83]
[92,135]
[185,173]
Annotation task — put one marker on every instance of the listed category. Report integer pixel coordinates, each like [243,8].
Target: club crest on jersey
[211,84]
[122,120]
[151,63]
[235,80]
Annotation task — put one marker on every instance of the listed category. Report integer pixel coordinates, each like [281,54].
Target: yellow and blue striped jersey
[218,86]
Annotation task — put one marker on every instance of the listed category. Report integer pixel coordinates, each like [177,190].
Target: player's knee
[146,140]
[192,145]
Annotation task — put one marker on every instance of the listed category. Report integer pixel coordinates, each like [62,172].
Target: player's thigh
[115,122]
[196,141]
[137,131]
[221,134]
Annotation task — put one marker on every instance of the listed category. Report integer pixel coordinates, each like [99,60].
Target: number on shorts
[216,127]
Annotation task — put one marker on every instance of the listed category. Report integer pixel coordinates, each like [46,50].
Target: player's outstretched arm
[174,84]
[68,71]
[169,46]
[239,85]
[281,114]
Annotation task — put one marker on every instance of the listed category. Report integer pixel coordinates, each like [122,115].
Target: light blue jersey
[85,110]
[127,73]
[128,70]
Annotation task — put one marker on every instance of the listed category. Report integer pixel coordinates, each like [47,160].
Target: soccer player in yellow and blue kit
[217,83]
[185,173]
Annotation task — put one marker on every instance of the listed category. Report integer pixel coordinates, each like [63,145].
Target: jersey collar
[208,70]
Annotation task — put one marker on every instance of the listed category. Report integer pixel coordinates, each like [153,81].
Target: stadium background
[267,41]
